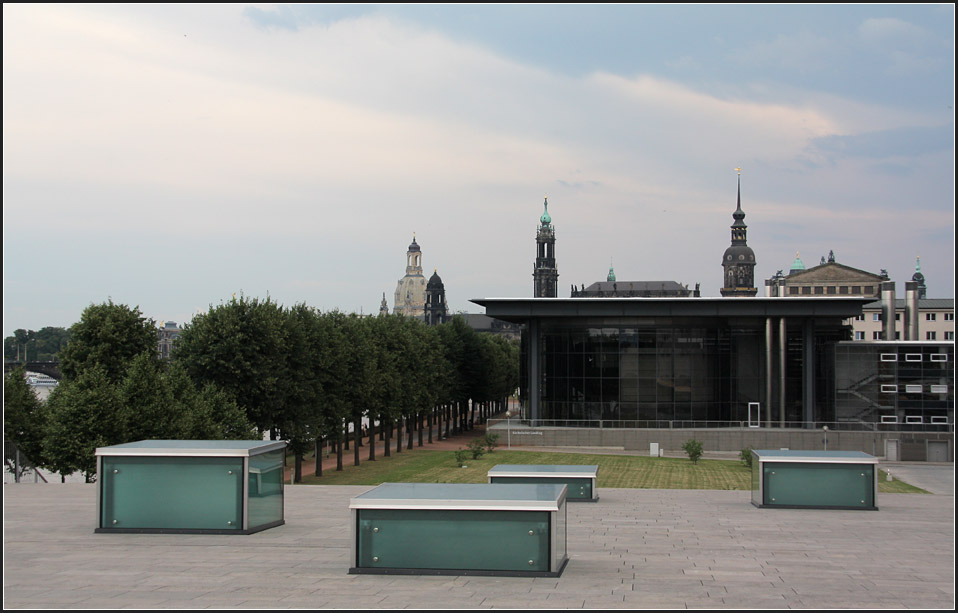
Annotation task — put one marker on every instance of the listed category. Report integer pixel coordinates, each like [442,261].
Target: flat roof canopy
[523,309]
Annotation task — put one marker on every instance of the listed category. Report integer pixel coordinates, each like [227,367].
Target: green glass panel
[265,487]
[457,540]
[577,488]
[819,484]
[756,492]
[172,493]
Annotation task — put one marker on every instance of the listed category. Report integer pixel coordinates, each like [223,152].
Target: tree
[146,402]
[84,414]
[28,346]
[241,347]
[23,416]
[694,449]
[110,336]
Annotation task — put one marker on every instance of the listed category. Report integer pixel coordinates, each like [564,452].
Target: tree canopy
[108,335]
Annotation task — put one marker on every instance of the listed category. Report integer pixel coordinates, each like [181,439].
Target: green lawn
[425,466]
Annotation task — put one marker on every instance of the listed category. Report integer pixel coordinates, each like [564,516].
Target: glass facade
[454,540]
[899,385]
[164,493]
[265,487]
[640,372]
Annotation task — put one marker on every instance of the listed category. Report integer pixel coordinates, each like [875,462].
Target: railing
[701,424]
[19,464]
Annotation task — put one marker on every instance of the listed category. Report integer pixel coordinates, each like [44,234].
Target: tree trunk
[387,427]
[356,435]
[372,438]
[318,448]
[419,426]
[429,417]
[399,435]
[339,453]
[298,468]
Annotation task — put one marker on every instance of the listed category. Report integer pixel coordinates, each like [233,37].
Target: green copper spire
[797,265]
[546,219]
[611,277]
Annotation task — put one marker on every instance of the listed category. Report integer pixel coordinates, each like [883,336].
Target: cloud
[907,48]
[905,142]
[801,52]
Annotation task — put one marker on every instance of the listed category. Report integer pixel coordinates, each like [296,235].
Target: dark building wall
[687,369]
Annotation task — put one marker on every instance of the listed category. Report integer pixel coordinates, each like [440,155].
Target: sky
[169,157]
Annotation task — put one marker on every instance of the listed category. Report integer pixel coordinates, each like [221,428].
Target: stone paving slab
[632,549]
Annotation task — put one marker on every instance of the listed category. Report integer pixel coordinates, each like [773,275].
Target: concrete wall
[912,445]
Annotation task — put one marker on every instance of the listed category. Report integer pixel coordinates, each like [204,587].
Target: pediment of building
[834,272]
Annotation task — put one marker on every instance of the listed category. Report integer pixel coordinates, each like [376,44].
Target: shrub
[746,456]
[477,447]
[492,441]
[461,457]
[694,449]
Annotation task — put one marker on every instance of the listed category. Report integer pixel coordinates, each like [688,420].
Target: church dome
[435,282]
[414,246]
[546,219]
[738,254]
[797,266]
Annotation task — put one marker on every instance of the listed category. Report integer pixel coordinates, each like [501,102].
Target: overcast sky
[170,156]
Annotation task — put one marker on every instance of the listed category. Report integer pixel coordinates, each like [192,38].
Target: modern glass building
[696,362]
[899,384]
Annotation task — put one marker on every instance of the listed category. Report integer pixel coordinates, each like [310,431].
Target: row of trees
[114,390]
[35,345]
[250,366]
[308,376]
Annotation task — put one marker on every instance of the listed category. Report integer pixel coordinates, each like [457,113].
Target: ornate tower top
[544,273]
[919,278]
[797,264]
[739,259]
[545,219]
[611,277]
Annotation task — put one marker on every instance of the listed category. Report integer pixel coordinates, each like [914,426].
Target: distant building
[410,299]
[919,279]
[545,275]
[935,321]
[827,279]
[168,333]
[484,323]
[610,288]
[435,309]
[738,261]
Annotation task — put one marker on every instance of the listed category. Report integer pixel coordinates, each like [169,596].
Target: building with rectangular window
[667,369]
[935,320]
[689,360]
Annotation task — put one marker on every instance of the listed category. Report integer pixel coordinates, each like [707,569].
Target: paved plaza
[632,549]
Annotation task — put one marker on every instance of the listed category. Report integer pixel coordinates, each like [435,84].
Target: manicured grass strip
[895,486]
[622,471]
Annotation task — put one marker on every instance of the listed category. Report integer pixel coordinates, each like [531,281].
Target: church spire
[738,261]
[544,274]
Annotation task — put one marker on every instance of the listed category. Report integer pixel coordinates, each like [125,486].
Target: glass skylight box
[580,479]
[814,479]
[460,529]
[211,487]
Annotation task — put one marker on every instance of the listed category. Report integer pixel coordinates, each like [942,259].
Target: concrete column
[769,373]
[888,310]
[535,376]
[782,346]
[808,373]
[911,311]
